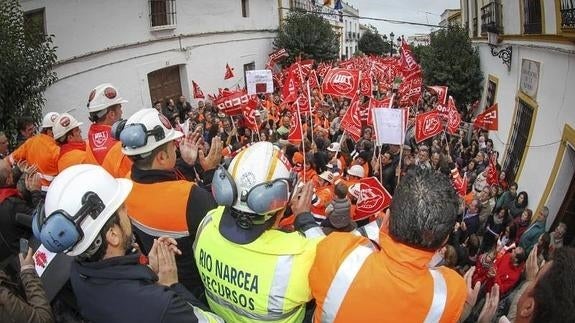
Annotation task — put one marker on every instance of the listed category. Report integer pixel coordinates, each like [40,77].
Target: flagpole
[302,138]
[310,114]
[403,130]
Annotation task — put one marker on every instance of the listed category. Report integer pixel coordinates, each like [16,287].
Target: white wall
[112,41]
[556,107]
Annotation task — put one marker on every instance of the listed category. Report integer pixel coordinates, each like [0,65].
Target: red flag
[289,88]
[322,69]
[408,62]
[365,84]
[373,197]
[492,174]
[351,121]
[295,131]
[274,57]
[487,120]
[229,72]
[231,102]
[248,111]
[440,91]
[427,125]
[453,117]
[313,81]
[341,82]
[198,94]
[459,184]
[376,104]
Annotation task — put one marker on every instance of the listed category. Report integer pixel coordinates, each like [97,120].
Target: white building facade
[351,30]
[151,49]
[527,53]
[419,40]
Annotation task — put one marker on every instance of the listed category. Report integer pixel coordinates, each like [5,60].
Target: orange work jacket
[42,151]
[72,153]
[103,150]
[322,197]
[354,281]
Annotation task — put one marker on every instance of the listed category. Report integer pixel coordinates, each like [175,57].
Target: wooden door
[165,83]
[566,213]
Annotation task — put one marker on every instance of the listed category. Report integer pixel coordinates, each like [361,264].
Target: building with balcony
[151,49]
[450,16]
[419,40]
[527,52]
[351,30]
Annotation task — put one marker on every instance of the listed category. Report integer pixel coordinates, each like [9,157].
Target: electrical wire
[392,21]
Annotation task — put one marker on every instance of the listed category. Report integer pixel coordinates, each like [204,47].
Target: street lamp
[384,36]
[391,43]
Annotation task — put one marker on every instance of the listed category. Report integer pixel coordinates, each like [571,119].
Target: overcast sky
[421,11]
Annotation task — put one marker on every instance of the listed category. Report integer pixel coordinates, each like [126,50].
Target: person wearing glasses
[85,216]
[251,269]
[164,202]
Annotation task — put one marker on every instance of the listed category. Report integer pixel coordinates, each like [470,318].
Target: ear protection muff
[38,220]
[223,187]
[61,231]
[117,128]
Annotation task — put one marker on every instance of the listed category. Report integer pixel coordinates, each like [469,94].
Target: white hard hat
[356,170]
[103,96]
[68,193]
[49,119]
[334,147]
[327,175]
[355,190]
[259,163]
[63,124]
[146,130]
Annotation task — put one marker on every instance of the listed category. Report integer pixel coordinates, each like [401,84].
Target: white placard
[389,126]
[42,259]
[259,81]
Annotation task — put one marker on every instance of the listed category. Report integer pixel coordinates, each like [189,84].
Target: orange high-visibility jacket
[322,197]
[109,154]
[42,151]
[71,154]
[354,281]
[116,163]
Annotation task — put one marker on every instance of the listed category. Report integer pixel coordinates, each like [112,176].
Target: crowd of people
[183,213]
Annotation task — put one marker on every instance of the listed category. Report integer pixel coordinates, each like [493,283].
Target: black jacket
[121,290]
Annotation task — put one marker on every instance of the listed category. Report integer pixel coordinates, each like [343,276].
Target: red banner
[488,120]
[248,111]
[295,131]
[441,92]
[351,121]
[459,183]
[198,94]
[231,102]
[373,197]
[453,117]
[229,72]
[408,62]
[427,125]
[365,84]
[341,82]
[322,69]
[289,88]
[313,81]
[277,55]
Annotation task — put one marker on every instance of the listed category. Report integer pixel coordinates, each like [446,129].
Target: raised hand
[212,160]
[189,147]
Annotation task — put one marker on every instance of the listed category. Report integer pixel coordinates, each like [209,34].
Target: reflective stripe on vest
[159,233]
[439,297]
[347,272]
[206,317]
[207,219]
[314,232]
[279,285]
[370,231]
[343,278]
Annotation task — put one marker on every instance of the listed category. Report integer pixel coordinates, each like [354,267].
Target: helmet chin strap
[247,220]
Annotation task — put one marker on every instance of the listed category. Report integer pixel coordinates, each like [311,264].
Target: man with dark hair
[351,275]
[26,129]
[111,280]
[4,145]
[508,269]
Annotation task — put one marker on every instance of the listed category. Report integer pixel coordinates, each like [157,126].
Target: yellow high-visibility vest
[266,280]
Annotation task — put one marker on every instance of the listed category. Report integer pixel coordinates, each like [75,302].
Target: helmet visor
[269,196]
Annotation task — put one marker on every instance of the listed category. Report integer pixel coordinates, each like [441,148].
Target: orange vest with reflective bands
[158,219]
[42,151]
[324,196]
[71,158]
[116,163]
[353,281]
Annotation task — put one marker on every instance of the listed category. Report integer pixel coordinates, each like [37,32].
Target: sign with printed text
[529,82]
[259,81]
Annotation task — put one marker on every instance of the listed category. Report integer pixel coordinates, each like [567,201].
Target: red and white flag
[377,104]
[274,57]
[313,81]
[229,72]
[365,84]
[289,88]
[427,125]
[249,113]
[341,82]
[231,102]
[373,197]
[488,120]
[322,69]
[492,173]
[441,92]
[407,60]
[295,131]
[351,122]
[459,183]
[453,117]
[198,94]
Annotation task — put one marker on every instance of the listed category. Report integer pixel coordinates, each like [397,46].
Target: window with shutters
[520,137]
[162,14]
[532,21]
